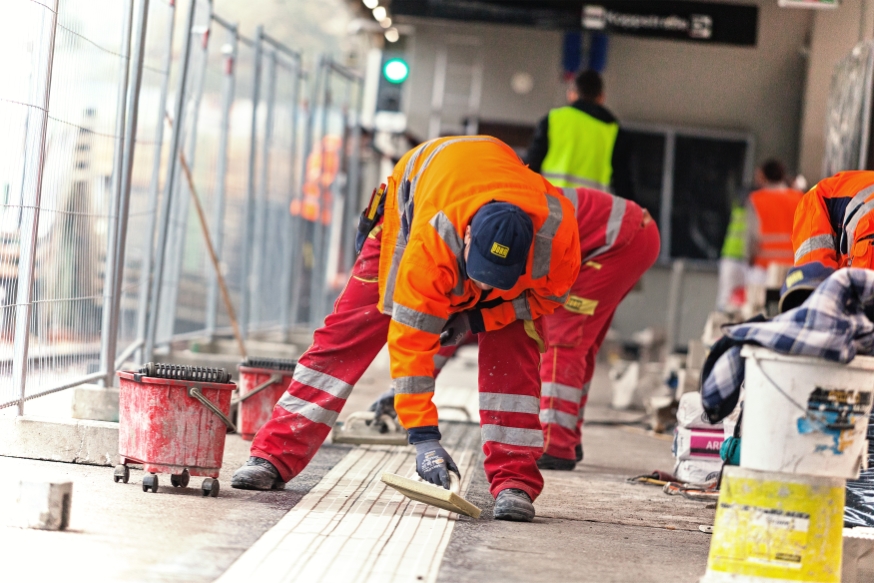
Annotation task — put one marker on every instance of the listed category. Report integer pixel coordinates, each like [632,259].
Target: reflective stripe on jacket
[832,217]
[580,149]
[432,196]
[769,226]
[600,218]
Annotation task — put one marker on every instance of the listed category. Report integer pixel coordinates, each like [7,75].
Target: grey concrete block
[95,403]
[43,505]
[858,559]
[63,440]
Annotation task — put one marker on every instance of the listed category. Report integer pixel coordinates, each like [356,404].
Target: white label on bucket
[772,536]
[835,412]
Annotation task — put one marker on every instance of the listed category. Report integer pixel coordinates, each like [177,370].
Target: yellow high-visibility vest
[580,150]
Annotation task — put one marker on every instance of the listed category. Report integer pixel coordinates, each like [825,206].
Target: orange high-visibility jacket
[769,226]
[834,220]
[432,196]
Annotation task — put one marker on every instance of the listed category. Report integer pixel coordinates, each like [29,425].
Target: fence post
[154,186]
[34,163]
[298,264]
[172,165]
[177,236]
[354,183]
[321,230]
[262,202]
[109,319]
[289,240]
[248,233]
[228,87]
[133,104]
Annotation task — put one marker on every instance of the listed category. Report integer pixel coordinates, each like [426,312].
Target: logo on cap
[500,250]
[794,278]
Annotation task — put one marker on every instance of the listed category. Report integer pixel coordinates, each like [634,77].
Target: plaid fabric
[832,324]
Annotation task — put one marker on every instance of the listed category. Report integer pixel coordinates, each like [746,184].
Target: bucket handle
[195,393]
[829,426]
[274,378]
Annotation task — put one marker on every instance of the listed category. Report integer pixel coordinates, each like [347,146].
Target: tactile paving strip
[353,528]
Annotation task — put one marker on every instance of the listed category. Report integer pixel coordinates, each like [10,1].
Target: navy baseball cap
[500,238]
[800,283]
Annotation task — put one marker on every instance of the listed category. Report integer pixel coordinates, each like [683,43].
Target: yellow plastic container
[776,528]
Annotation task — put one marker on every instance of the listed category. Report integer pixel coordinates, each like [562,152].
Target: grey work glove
[455,329]
[385,405]
[434,464]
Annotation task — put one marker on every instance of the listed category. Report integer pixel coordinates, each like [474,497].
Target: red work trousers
[576,337]
[345,346]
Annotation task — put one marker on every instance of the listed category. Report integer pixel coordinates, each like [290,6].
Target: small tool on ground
[433,495]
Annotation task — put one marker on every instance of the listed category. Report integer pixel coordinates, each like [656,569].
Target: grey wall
[649,306]
[755,89]
[835,33]
[506,50]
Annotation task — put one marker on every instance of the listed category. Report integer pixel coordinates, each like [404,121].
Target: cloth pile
[835,323]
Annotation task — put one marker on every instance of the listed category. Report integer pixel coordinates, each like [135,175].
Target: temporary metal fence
[104,105]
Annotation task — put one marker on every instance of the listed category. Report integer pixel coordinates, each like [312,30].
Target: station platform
[337,522]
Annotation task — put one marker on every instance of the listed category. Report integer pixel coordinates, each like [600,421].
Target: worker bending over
[470,240]
[833,228]
[619,241]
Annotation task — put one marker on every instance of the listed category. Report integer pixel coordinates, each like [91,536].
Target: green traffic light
[396,70]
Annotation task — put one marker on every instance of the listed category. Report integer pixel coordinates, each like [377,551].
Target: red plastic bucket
[260,389]
[167,428]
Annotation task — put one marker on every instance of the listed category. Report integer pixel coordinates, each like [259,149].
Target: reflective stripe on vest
[543,238]
[857,209]
[815,243]
[580,149]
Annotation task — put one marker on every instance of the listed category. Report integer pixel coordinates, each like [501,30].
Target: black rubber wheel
[121,474]
[180,480]
[150,482]
[210,487]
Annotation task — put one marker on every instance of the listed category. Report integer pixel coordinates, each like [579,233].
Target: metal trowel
[432,494]
[362,428]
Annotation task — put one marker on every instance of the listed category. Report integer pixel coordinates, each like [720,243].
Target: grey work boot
[578,452]
[257,474]
[514,504]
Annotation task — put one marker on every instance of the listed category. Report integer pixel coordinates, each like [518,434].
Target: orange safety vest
[771,225]
[834,222]
[322,166]
[432,196]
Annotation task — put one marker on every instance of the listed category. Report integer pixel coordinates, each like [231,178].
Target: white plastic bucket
[805,415]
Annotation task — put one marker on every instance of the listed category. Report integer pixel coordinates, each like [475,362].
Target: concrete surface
[591,525]
[95,403]
[64,440]
[118,532]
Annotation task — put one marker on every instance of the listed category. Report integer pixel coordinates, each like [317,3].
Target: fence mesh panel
[62,115]
[77,191]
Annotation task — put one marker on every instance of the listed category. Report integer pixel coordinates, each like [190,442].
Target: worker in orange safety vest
[469,240]
[770,212]
[833,228]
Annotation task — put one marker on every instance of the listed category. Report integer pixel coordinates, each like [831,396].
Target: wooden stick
[218,272]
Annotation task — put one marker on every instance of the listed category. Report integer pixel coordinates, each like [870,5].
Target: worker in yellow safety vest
[581,144]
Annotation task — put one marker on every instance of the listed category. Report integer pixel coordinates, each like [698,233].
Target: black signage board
[540,13]
[702,22]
